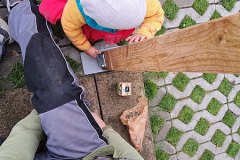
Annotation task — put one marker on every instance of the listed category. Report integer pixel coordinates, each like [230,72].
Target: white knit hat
[116,14]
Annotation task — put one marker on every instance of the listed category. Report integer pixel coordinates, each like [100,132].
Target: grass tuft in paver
[210,78]
[233,149]
[225,87]
[229,118]
[202,126]
[214,107]
[156,123]
[161,31]
[180,81]
[150,89]
[74,65]
[161,155]
[198,94]
[154,75]
[215,15]
[16,76]
[207,155]
[174,136]
[190,147]
[237,99]
[167,103]
[170,9]
[187,22]
[228,4]
[186,114]
[200,6]
[218,138]
[238,131]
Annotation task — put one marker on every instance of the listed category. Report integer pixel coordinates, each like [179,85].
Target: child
[110,20]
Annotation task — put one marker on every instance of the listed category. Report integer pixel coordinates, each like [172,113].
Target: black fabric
[47,75]
[1,140]
[91,119]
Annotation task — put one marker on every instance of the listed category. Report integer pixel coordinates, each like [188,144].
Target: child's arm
[72,22]
[152,23]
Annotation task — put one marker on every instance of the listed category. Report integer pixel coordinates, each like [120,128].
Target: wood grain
[212,47]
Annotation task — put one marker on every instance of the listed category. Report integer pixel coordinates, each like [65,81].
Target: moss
[156,123]
[190,147]
[186,115]
[202,126]
[150,89]
[173,136]
[170,9]
[167,103]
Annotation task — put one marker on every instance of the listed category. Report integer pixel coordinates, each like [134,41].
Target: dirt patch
[15,105]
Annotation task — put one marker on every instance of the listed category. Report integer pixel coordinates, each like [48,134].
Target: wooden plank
[112,105]
[209,47]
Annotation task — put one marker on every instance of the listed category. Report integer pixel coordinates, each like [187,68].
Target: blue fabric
[92,23]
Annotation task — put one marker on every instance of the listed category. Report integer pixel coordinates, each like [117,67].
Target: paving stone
[184,3]
[234,108]
[167,147]
[236,125]
[156,100]
[232,78]
[159,82]
[223,156]
[7,64]
[236,137]
[193,74]
[170,77]
[156,110]
[72,53]
[173,157]
[163,132]
[233,93]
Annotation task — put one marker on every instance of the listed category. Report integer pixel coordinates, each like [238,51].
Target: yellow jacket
[72,22]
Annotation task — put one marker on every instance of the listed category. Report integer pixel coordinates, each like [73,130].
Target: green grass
[154,75]
[233,149]
[218,138]
[190,147]
[197,94]
[170,9]
[150,89]
[161,31]
[74,65]
[238,131]
[17,76]
[187,22]
[156,123]
[237,99]
[228,4]
[202,126]
[167,103]
[122,42]
[214,106]
[200,6]
[210,78]
[161,155]
[180,81]
[186,115]
[174,136]
[229,119]
[207,155]
[215,15]
[225,87]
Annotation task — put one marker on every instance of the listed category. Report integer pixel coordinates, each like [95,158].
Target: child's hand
[136,38]
[92,51]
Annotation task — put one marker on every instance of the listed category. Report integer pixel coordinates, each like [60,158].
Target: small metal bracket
[101,60]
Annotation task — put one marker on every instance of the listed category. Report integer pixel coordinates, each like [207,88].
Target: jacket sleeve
[72,22]
[122,148]
[153,20]
[23,141]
